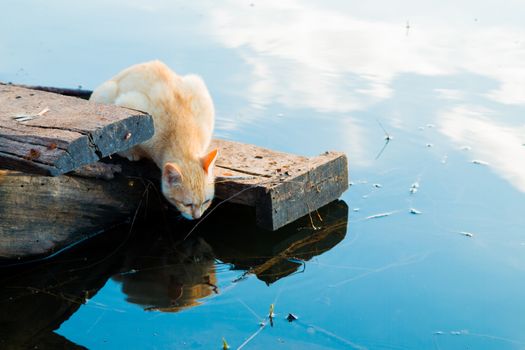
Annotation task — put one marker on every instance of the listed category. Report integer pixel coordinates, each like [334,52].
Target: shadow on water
[157,269]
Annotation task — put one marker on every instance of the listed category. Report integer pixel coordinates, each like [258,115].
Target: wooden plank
[51,134]
[282,187]
[43,214]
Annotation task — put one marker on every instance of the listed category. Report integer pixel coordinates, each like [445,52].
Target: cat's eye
[207,201]
[188,205]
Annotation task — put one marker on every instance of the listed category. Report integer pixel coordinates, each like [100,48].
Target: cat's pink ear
[171,174]
[208,161]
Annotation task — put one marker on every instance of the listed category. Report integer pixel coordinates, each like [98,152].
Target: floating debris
[415,211]
[429,145]
[271,314]
[466,148]
[388,138]
[377,185]
[356,209]
[421,128]
[461,332]
[414,187]
[430,126]
[439,333]
[479,162]
[291,318]
[380,215]
[225,345]
[466,234]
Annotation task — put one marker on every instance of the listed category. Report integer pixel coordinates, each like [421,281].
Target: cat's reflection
[170,277]
[156,270]
[174,275]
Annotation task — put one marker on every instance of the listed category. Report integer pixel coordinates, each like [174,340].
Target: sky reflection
[332,61]
[305,77]
[499,146]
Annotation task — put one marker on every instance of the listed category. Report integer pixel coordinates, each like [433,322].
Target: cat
[183,117]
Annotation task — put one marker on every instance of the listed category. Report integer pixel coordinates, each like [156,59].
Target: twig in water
[225,345]
[380,215]
[388,138]
[271,315]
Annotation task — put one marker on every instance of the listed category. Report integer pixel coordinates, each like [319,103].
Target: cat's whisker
[210,211]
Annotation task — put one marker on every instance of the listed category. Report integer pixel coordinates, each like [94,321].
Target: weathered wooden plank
[282,187]
[51,134]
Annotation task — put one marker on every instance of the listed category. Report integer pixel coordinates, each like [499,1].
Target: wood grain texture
[43,214]
[62,133]
[282,187]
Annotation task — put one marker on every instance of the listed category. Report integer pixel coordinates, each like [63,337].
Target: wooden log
[51,134]
[80,93]
[42,214]
[282,187]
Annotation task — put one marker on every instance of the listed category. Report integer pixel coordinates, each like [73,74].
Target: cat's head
[189,185]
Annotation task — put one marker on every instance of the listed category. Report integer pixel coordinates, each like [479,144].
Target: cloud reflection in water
[499,145]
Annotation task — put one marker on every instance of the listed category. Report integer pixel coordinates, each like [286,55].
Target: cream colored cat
[183,116]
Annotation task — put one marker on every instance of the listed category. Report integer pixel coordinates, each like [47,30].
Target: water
[443,80]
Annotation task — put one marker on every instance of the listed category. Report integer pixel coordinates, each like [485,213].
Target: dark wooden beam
[44,214]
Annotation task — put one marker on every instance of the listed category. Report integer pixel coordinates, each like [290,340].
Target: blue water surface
[433,255]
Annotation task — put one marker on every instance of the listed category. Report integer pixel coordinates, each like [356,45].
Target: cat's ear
[208,161]
[171,174]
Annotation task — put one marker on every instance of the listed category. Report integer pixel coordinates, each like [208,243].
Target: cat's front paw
[130,155]
[133,157]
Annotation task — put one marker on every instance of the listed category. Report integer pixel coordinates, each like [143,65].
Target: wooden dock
[51,134]
[61,134]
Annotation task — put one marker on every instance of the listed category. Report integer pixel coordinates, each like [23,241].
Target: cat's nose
[196,213]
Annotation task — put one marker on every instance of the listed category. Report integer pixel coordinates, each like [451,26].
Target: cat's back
[179,105]
[140,86]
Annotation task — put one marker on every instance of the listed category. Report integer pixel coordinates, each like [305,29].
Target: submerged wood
[50,134]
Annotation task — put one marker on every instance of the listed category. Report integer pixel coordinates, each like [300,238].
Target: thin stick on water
[388,138]
[262,325]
